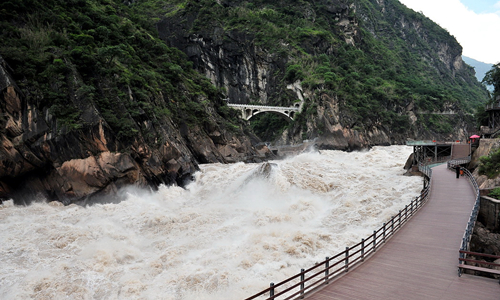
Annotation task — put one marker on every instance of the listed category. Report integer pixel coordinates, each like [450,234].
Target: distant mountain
[480,67]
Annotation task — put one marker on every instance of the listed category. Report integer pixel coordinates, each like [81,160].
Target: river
[233,230]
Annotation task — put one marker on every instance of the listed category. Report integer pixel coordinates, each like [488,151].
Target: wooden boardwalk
[420,261]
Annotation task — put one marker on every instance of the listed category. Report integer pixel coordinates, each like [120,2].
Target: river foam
[226,236]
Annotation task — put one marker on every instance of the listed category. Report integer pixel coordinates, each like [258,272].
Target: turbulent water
[226,236]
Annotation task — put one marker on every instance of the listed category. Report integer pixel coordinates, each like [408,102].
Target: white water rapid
[227,235]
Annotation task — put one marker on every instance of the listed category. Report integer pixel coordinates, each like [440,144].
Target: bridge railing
[264,107]
[334,267]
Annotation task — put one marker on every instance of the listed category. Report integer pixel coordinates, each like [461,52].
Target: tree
[492,77]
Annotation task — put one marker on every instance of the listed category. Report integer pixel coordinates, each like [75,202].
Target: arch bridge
[248,111]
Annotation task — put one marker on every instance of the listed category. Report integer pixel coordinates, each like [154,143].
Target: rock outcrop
[485,241]
[40,158]
[486,146]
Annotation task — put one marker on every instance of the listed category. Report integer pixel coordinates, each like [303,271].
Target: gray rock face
[230,59]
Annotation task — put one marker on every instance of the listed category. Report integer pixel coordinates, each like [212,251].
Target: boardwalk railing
[459,161]
[489,265]
[452,164]
[332,268]
[464,247]
[426,170]
[472,220]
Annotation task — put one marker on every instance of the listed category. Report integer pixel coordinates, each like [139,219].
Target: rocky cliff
[367,72]
[86,110]
[39,158]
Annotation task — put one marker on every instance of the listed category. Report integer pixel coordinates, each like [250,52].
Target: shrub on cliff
[490,164]
[495,193]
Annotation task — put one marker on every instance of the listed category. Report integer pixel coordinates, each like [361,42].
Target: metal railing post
[374,240]
[302,284]
[362,249]
[399,219]
[346,259]
[271,290]
[327,268]
[392,226]
[383,231]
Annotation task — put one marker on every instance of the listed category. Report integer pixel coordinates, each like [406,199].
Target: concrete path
[420,261]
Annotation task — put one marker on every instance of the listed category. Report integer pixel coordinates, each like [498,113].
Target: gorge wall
[324,52]
[41,159]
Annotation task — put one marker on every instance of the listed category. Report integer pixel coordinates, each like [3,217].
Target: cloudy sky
[474,23]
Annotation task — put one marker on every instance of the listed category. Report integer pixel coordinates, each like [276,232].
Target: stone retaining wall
[489,213]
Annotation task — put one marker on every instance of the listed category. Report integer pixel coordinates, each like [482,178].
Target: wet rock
[266,169]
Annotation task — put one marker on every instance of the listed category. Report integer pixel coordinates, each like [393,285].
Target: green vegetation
[495,193]
[490,165]
[71,54]
[269,126]
[492,77]
[375,79]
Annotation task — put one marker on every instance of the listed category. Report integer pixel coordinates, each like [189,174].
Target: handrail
[426,170]
[264,106]
[483,255]
[332,268]
[464,247]
[458,161]
[472,218]
[490,267]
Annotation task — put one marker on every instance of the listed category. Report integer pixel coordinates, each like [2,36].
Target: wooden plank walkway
[419,261]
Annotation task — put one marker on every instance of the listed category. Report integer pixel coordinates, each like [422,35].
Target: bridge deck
[420,261]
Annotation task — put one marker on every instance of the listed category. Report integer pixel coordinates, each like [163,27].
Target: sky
[474,23]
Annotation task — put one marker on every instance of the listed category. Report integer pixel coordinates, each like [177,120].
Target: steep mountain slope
[98,94]
[91,101]
[371,72]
